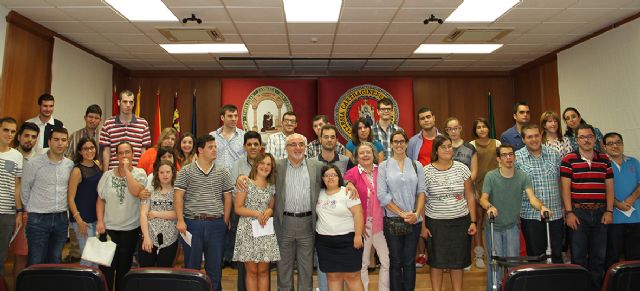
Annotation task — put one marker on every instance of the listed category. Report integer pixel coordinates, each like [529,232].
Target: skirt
[337,254]
[449,246]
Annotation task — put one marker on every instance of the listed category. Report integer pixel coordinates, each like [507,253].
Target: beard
[26,148]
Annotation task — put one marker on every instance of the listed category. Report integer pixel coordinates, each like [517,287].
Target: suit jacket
[315,180]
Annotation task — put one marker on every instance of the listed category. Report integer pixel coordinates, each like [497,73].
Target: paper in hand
[259,230]
[187,237]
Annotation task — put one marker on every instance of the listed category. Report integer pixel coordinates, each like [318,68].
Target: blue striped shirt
[298,188]
[45,184]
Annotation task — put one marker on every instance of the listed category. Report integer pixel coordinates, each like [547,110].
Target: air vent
[477,35]
[192,34]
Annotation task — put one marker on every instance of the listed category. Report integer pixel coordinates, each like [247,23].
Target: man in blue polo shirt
[624,233]
[512,135]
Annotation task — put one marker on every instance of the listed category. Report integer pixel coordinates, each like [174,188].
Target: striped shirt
[587,181]
[445,191]
[544,172]
[277,145]
[384,136]
[298,188]
[45,184]
[203,190]
[10,170]
[228,150]
[114,132]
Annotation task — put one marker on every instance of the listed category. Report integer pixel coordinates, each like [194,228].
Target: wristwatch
[19,210]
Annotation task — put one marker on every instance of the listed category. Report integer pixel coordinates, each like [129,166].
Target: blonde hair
[166,133]
[546,116]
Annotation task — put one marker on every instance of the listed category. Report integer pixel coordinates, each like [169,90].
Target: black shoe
[70,260]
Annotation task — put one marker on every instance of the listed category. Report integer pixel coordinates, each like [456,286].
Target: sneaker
[421,261]
[468,268]
[480,263]
[479,251]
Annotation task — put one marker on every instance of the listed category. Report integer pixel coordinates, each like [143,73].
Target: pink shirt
[358,177]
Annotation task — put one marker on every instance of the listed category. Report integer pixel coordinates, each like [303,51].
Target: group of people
[230,196]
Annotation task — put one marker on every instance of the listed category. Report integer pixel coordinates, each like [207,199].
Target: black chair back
[60,277]
[158,279]
[623,276]
[548,277]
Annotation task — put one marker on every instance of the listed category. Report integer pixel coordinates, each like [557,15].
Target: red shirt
[424,156]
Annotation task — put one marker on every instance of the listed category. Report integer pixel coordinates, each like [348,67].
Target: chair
[548,277]
[622,276]
[60,277]
[157,279]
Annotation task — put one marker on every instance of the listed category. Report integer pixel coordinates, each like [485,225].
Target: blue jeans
[46,235]
[506,243]
[323,283]
[82,240]
[208,238]
[589,242]
[402,257]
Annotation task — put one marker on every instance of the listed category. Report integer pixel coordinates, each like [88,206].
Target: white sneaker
[480,263]
[468,268]
[479,251]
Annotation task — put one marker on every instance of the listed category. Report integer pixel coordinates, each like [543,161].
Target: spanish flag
[157,127]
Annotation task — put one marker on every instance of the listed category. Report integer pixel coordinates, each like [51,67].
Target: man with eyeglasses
[542,165]
[314,148]
[522,116]
[383,129]
[276,145]
[624,233]
[587,193]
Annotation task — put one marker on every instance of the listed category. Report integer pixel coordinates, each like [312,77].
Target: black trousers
[127,240]
[163,258]
[535,237]
[623,240]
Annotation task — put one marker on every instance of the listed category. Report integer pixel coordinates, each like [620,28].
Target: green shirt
[506,195]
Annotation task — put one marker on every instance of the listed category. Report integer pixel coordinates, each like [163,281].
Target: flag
[138,101]
[114,101]
[176,113]
[157,127]
[492,121]
[194,130]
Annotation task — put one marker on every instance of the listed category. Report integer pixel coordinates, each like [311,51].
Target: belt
[589,206]
[205,217]
[298,214]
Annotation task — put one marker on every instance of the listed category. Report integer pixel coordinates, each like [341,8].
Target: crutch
[548,252]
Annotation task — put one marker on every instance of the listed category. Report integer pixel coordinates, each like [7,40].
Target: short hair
[478,121]
[252,134]
[8,119]
[203,140]
[365,144]
[296,135]
[385,101]
[585,126]
[127,93]
[326,168]
[228,107]
[25,126]
[77,156]
[45,97]
[529,126]
[328,127]
[399,132]
[611,134]
[163,151]
[543,120]
[423,110]
[518,104]
[321,117]
[354,130]
[95,108]
[124,143]
[166,132]
[569,131]
[503,146]
[156,178]
[271,178]
[58,129]
[437,142]
[289,113]
[452,118]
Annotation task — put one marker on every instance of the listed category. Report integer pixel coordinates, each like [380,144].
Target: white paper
[259,230]
[187,237]
[628,212]
[15,233]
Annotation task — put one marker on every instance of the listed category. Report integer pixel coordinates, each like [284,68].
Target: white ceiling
[386,29]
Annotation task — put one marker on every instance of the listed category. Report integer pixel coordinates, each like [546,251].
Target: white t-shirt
[334,216]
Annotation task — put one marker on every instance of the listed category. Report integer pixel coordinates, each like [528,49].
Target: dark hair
[23,127]
[8,119]
[503,146]
[163,151]
[326,168]
[58,129]
[529,126]
[45,97]
[518,104]
[289,113]
[437,142]
[203,140]
[95,108]
[127,93]
[367,144]
[228,107]
[478,121]
[124,143]
[271,178]
[178,149]
[543,120]
[354,130]
[77,158]
[585,126]
[452,118]
[328,127]
[385,101]
[399,132]
[252,134]
[156,179]
[569,131]
[422,110]
[321,117]
[611,134]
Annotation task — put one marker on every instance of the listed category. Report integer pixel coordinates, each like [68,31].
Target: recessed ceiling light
[143,10]
[480,10]
[312,11]
[205,48]
[457,48]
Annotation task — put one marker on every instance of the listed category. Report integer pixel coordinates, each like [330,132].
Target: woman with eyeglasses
[83,193]
[450,216]
[552,133]
[402,194]
[339,232]
[573,118]
[361,132]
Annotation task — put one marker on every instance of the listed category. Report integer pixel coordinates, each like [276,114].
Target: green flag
[492,121]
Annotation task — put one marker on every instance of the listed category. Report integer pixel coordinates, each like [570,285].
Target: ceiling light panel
[457,48]
[312,11]
[205,48]
[481,10]
[143,10]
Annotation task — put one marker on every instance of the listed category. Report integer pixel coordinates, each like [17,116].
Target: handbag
[397,226]
[99,252]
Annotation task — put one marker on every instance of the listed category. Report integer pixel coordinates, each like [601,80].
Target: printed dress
[247,247]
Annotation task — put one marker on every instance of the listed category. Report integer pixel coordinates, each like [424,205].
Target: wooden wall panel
[537,84]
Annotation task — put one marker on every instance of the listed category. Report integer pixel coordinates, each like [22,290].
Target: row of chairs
[623,276]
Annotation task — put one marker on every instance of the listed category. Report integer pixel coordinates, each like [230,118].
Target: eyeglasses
[585,137]
[299,144]
[330,175]
[614,143]
[399,142]
[388,109]
[290,121]
[507,155]
[453,129]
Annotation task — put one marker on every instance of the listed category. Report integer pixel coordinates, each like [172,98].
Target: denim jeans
[46,235]
[208,239]
[506,243]
[589,243]
[402,257]
[323,282]
[7,224]
[82,240]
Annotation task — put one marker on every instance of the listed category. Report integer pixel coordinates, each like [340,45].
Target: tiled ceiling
[372,35]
